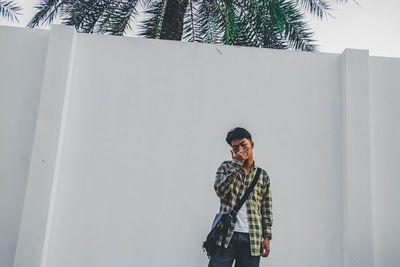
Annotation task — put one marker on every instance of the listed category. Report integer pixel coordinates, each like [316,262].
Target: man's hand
[239,156]
[265,247]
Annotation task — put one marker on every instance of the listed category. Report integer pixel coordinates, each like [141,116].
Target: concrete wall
[129,134]
[385,132]
[22,60]
[150,136]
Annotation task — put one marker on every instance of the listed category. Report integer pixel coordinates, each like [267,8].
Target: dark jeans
[238,250]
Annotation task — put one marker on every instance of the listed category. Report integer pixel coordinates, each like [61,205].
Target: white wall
[385,106]
[130,133]
[22,58]
[143,142]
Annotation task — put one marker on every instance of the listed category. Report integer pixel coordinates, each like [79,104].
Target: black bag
[222,222]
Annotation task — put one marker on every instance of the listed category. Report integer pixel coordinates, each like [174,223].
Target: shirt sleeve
[225,176]
[266,210]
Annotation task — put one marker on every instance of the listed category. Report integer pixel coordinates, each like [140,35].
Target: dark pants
[238,250]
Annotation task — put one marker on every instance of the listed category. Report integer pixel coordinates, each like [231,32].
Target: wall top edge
[387,58]
[19,28]
[131,38]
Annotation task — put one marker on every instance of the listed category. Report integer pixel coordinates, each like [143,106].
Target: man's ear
[252,144]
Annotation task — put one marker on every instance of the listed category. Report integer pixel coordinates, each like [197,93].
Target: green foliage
[260,23]
[9,10]
[273,24]
[154,14]
[91,16]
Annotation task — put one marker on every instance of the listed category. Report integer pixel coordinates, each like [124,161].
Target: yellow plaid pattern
[231,180]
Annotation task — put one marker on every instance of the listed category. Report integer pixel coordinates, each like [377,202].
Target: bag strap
[238,205]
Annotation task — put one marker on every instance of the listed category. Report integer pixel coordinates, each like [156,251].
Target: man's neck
[247,164]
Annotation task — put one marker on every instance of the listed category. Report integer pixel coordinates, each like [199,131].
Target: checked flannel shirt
[231,180]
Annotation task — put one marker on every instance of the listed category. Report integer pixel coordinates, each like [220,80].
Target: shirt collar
[253,167]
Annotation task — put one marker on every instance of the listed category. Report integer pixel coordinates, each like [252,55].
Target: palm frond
[291,21]
[189,26]
[106,15]
[121,17]
[92,16]
[260,23]
[82,14]
[47,11]
[271,24]
[228,11]
[151,26]
[319,8]
[203,22]
[9,10]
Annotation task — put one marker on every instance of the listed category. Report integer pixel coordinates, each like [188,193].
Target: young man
[250,233]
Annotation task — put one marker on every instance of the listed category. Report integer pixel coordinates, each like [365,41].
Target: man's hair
[237,133]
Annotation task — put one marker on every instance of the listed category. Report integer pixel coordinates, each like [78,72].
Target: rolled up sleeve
[266,210]
[225,176]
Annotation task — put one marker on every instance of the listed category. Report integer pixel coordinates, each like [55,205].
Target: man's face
[244,144]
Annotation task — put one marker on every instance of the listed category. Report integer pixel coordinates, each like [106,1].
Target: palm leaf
[260,23]
[9,10]
[121,17]
[318,8]
[151,26]
[290,22]
[272,24]
[92,16]
[47,11]
[203,22]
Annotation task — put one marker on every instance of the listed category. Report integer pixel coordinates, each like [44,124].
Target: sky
[371,24]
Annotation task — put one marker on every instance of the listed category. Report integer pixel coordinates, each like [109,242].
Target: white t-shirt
[242,224]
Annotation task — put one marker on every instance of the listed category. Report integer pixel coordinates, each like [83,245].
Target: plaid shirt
[230,182]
